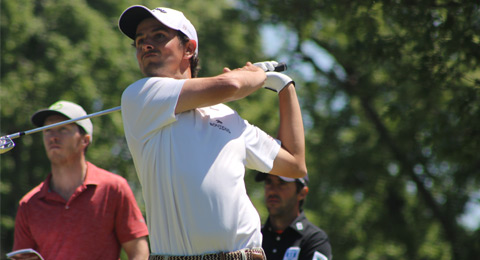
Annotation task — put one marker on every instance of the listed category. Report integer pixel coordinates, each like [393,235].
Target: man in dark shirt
[287,233]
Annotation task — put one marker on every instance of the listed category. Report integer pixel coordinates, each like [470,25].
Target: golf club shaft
[280,67]
[100,113]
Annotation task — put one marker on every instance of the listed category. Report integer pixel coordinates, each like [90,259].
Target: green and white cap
[64,108]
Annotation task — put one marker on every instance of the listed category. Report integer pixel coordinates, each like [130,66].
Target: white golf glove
[276,81]
[266,65]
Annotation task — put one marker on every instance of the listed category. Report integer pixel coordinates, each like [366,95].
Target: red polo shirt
[100,216]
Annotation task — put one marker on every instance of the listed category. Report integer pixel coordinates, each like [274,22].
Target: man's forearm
[291,131]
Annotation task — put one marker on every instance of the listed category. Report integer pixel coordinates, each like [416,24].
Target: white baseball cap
[132,16]
[64,108]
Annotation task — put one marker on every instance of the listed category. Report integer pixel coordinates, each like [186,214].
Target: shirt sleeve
[129,221]
[316,247]
[262,149]
[22,237]
[149,104]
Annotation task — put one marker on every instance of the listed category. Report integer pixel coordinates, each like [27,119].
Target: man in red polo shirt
[80,211]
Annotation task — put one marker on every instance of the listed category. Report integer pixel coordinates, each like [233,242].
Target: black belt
[245,254]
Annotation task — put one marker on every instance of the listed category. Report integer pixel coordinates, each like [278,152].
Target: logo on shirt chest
[292,253]
[219,124]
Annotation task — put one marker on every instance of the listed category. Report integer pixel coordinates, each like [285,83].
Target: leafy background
[389,92]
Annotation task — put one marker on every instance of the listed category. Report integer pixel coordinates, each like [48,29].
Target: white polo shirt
[191,167]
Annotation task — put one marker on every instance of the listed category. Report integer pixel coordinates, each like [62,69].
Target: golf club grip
[282,66]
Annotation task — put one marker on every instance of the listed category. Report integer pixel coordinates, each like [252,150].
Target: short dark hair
[300,186]
[194,68]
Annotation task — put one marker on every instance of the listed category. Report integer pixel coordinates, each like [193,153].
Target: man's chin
[152,70]
[272,210]
[53,153]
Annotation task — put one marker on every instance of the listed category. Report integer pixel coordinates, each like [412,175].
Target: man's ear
[190,48]
[303,193]
[86,139]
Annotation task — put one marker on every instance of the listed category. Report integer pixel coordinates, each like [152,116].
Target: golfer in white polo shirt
[190,150]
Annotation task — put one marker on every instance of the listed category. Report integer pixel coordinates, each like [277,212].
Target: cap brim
[260,176]
[130,19]
[263,176]
[38,119]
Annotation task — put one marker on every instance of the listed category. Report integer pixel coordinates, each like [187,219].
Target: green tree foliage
[73,50]
[392,136]
[392,125]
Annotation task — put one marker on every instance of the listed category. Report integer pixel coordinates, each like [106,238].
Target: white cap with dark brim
[132,16]
[262,176]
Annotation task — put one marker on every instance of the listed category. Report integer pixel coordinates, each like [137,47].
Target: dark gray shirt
[300,241]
